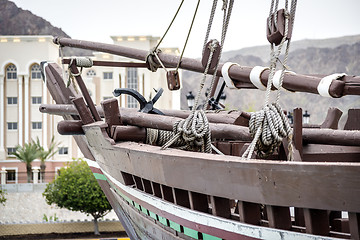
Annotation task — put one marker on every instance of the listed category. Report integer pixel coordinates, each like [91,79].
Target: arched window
[35,71]
[11,72]
[91,73]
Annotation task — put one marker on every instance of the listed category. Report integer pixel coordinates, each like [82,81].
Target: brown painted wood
[239,74]
[229,117]
[317,221]
[114,64]
[236,147]
[147,186]
[331,153]
[332,118]
[128,179]
[167,193]
[224,147]
[353,121]
[138,183]
[354,224]
[298,130]
[70,127]
[249,212]
[198,202]
[129,133]
[156,189]
[220,206]
[111,113]
[85,93]
[299,217]
[83,110]
[181,197]
[279,217]
[258,181]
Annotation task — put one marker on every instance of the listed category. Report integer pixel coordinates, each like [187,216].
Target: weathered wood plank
[198,202]
[259,181]
[220,206]
[279,217]
[354,224]
[249,212]
[317,221]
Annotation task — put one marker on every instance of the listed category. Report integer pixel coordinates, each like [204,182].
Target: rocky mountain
[16,21]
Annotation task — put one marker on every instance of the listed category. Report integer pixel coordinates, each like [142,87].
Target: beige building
[22,91]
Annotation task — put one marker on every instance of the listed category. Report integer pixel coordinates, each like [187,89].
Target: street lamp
[290,117]
[222,99]
[306,117]
[190,100]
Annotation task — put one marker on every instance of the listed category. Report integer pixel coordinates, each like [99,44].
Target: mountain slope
[16,21]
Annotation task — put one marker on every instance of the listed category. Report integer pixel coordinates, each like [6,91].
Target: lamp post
[190,100]
[290,117]
[306,117]
[222,99]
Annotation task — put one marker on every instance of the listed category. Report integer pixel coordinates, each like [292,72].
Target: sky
[98,20]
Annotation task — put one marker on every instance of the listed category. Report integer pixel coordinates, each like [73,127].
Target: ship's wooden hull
[269,183]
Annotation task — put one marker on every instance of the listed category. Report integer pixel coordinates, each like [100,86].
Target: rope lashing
[324,84]
[255,77]
[225,73]
[79,62]
[269,127]
[149,59]
[195,132]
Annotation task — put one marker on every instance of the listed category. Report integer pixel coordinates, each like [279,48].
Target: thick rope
[194,131]
[270,126]
[226,19]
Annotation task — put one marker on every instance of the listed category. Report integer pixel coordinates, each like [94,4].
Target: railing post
[3,176]
[36,171]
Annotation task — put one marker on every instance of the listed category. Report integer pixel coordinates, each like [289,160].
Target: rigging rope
[270,126]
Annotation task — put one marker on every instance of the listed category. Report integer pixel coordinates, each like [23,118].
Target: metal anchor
[145,107]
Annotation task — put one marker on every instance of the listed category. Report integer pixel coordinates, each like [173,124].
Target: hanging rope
[270,126]
[194,130]
[227,9]
[153,66]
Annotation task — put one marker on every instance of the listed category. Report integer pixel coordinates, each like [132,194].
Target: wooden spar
[139,120]
[234,117]
[348,85]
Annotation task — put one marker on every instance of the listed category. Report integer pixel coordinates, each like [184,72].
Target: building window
[36,125]
[91,73]
[10,151]
[106,98]
[132,82]
[63,151]
[10,176]
[35,72]
[108,75]
[12,125]
[11,72]
[12,100]
[36,100]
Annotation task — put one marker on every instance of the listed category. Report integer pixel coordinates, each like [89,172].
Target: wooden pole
[348,85]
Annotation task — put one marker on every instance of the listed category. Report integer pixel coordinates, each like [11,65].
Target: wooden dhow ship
[306,186]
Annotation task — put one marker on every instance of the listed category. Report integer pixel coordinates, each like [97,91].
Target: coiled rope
[270,126]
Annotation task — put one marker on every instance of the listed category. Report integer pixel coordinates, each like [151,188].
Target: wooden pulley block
[212,45]
[276,31]
[173,80]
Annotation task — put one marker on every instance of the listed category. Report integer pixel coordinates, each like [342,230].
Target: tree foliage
[2,197]
[77,189]
[27,154]
[44,155]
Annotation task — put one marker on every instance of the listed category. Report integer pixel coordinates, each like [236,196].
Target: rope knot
[268,127]
[152,65]
[194,131]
